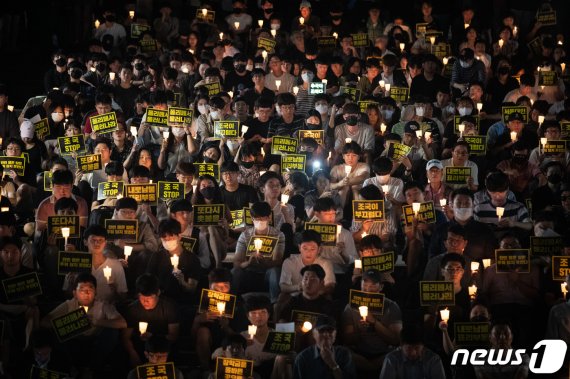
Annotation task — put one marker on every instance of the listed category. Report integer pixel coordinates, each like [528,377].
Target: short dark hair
[103,140]
[139,171]
[169,227]
[462,191]
[286,98]
[411,334]
[263,179]
[95,230]
[452,257]
[147,285]
[456,229]
[62,177]
[260,209]
[371,241]
[311,236]
[126,202]
[316,268]
[412,184]
[65,203]
[324,204]
[497,181]
[157,344]
[371,192]
[352,147]
[256,302]
[185,168]
[234,339]
[220,275]
[114,168]
[85,277]
[5,241]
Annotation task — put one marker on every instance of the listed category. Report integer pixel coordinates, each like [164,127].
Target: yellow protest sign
[104,123]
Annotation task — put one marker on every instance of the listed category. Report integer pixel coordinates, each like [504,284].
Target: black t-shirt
[240,198]
[498,91]
[250,96]
[23,270]
[158,318]
[236,83]
[320,305]
[256,127]
[421,86]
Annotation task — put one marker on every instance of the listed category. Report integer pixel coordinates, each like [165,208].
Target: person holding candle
[436,190]
[156,351]
[249,272]
[160,314]
[552,132]
[177,147]
[520,170]
[460,158]
[321,184]
[101,146]
[353,128]
[372,338]
[394,197]
[348,184]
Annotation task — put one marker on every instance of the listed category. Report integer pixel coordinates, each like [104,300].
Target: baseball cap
[304,4]
[325,322]
[516,116]
[411,127]
[434,163]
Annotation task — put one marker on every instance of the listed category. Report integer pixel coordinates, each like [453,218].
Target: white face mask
[275,26]
[465,64]
[57,117]
[387,113]
[215,115]
[420,112]
[178,132]
[307,76]
[202,109]
[462,214]
[463,111]
[170,245]
[249,67]
[322,108]
[260,225]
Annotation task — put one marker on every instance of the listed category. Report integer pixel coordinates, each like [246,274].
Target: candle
[92,69]
[278,84]
[112,76]
[251,330]
[134,130]
[330,155]
[443,202]
[382,83]
[358,263]
[236,25]
[65,234]
[363,309]
[383,128]
[562,67]
[543,141]
[204,12]
[258,244]
[427,135]
[418,133]
[244,129]
[501,43]
[295,90]
[387,87]
[465,26]
[150,181]
[416,208]
[174,260]
[402,46]
[444,313]
[347,169]
[260,23]
[500,212]
[273,32]
[347,140]
[479,106]
[432,40]
[221,307]
[128,250]
[231,94]
[284,199]
[385,188]
[301,20]
[85,308]
[461,128]
[364,234]
[5,209]
[445,60]
[165,135]
[486,262]
[264,54]
[474,266]
[538,69]
[515,31]
[142,327]
[335,35]
[307,326]
[221,35]
[540,119]
[472,291]
[97,23]
[11,107]
[338,231]
[325,81]
[131,14]
[513,136]
[564,288]
[107,273]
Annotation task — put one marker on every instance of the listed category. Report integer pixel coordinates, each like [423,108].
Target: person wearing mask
[238,79]
[355,130]
[275,73]
[111,33]
[466,70]
[205,122]
[57,76]
[305,99]
[548,195]
[521,172]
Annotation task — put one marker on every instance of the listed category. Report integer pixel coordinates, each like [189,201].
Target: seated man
[181,211]
[249,272]
[156,351]
[92,348]
[371,339]
[158,313]
[8,229]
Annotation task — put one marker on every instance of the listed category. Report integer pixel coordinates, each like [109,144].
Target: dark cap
[181,205]
[516,116]
[316,268]
[325,322]
[467,54]
[411,127]
[376,276]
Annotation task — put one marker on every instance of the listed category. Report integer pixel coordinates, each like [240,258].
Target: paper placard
[512,260]
[55,223]
[374,301]
[441,50]
[267,248]
[299,317]
[327,232]
[457,121]
[363,105]
[547,18]
[560,267]
[88,163]
[554,148]
[363,210]
[565,128]
[326,42]
[209,302]
[546,246]
[317,135]
[179,116]
[70,145]
[383,262]
[110,190]
[157,117]
[209,17]
[171,190]
[71,325]
[457,175]
[212,169]
[547,78]
[137,30]
[148,45]
[360,39]
[157,371]
[266,44]
[396,151]
[436,293]
[280,343]
[472,333]
[104,123]
[41,128]
[74,261]
[228,129]
[22,286]
[48,185]
[231,368]
[316,88]
[400,94]
[142,193]
[421,28]
[535,46]
[477,144]
[213,88]
[18,164]
[352,92]
[283,145]
[293,162]
[122,229]
[426,213]
[188,243]
[506,111]
[42,373]
[210,214]
[238,220]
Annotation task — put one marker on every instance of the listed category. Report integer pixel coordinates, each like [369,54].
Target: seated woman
[321,181]
[142,156]
[176,148]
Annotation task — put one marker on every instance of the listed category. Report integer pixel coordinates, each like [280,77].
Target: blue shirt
[310,365]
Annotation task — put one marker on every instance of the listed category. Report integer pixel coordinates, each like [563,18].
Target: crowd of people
[394,184]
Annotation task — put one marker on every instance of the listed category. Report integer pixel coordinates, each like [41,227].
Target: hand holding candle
[444,313]
[416,208]
[143,326]
[258,244]
[500,212]
[251,330]
[358,263]
[564,289]
[347,169]
[513,136]
[175,259]
[107,273]
[472,291]
[221,305]
[65,234]
[128,251]
[363,312]
[307,326]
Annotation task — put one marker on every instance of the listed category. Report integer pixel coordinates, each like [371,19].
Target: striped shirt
[486,212]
